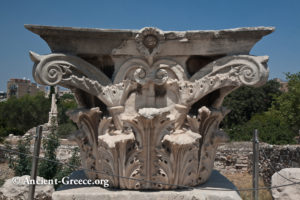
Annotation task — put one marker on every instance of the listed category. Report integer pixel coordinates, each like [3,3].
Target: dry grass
[244,181]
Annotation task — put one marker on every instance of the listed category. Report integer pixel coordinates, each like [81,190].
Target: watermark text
[64,181]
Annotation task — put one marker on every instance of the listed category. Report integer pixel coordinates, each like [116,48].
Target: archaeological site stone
[53,112]
[285,177]
[150,102]
[17,188]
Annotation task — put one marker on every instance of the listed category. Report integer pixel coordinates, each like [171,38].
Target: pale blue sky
[282,46]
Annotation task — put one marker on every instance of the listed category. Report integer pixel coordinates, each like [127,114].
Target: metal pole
[35,159]
[255,164]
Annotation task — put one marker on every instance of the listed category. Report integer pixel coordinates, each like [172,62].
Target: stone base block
[216,182]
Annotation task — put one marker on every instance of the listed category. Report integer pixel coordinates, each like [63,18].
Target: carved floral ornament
[141,123]
[148,41]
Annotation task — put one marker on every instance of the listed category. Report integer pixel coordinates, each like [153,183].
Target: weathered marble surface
[217,182]
[150,102]
[291,192]
[120,42]
[17,188]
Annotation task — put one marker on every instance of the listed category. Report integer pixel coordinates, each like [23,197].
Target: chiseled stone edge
[217,181]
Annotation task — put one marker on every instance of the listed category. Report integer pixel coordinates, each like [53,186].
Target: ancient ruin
[52,120]
[150,101]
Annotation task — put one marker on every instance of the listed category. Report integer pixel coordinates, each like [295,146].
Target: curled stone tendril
[52,74]
[248,75]
[140,75]
[161,76]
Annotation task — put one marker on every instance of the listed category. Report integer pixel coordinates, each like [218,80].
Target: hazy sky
[283,46]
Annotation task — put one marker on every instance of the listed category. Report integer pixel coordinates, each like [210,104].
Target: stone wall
[236,157]
[278,157]
[64,151]
[233,157]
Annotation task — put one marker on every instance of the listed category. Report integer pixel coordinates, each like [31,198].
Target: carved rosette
[148,41]
[149,135]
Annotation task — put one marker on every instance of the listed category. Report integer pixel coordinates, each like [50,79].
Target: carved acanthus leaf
[251,70]
[86,137]
[148,136]
[230,71]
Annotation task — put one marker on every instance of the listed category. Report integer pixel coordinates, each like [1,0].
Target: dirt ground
[244,181]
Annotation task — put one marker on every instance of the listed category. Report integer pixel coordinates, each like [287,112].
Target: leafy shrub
[4,132]
[21,163]
[272,129]
[48,169]
[287,105]
[65,129]
[66,170]
[65,103]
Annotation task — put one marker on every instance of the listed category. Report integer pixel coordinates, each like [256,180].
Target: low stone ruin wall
[63,153]
[278,157]
[236,157]
[233,157]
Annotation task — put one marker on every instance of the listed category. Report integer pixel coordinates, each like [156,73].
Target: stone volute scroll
[149,101]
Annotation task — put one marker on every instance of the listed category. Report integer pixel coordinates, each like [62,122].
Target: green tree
[24,113]
[287,105]
[66,126]
[278,125]
[52,91]
[65,129]
[247,101]
[272,129]
[4,132]
[65,103]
